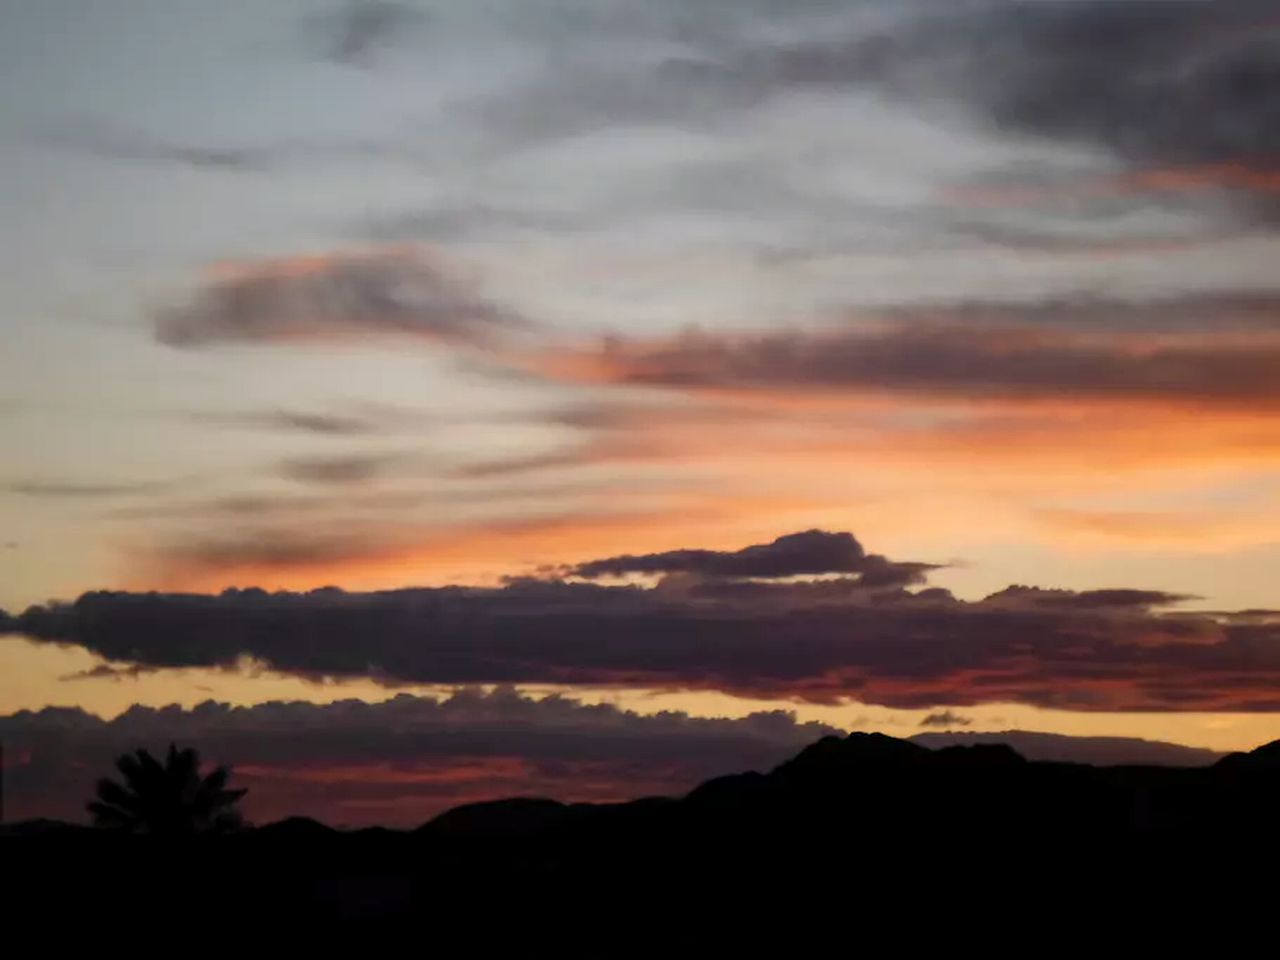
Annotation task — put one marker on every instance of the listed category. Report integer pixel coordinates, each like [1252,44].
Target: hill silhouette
[884,812]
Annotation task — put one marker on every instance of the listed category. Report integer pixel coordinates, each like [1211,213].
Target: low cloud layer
[398,762]
[715,625]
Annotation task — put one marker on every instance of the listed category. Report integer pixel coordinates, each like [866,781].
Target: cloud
[100,138]
[1160,79]
[104,140]
[74,489]
[823,641]
[363,419]
[333,298]
[105,671]
[810,552]
[348,470]
[1163,79]
[946,357]
[1020,596]
[356,33]
[813,551]
[400,761]
[740,151]
[322,424]
[946,718]
[264,545]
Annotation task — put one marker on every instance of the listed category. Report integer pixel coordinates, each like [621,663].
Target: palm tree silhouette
[169,799]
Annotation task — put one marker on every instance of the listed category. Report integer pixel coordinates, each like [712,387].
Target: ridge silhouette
[887,812]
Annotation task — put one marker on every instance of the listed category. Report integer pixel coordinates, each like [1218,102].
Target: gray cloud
[1020,596]
[946,718]
[354,469]
[1159,80]
[334,298]
[825,640]
[322,424]
[950,357]
[105,140]
[810,552]
[74,489]
[354,420]
[787,136]
[355,33]
[101,138]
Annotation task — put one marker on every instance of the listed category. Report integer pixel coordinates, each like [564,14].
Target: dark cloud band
[826,640]
[400,761]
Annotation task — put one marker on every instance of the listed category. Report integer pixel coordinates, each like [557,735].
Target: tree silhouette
[168,799]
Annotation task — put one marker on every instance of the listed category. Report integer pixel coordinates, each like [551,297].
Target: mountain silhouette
[885,814]
[1064,748]
[1265,758]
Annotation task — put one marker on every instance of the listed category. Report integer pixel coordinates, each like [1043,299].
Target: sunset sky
[701,376]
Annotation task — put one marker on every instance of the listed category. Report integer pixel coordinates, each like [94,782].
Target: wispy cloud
[322,424]
[107,141]
[363,419]
[355,32]
[950,355]
[345,470]
[75,489]
[333,297]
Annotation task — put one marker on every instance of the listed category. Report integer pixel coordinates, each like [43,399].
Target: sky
[695,373]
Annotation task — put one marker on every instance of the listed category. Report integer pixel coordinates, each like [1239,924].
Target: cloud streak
[946,358]
[76,490]
[300,421]
[345,470]
[333,298]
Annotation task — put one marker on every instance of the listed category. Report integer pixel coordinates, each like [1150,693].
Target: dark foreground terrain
[901,836]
